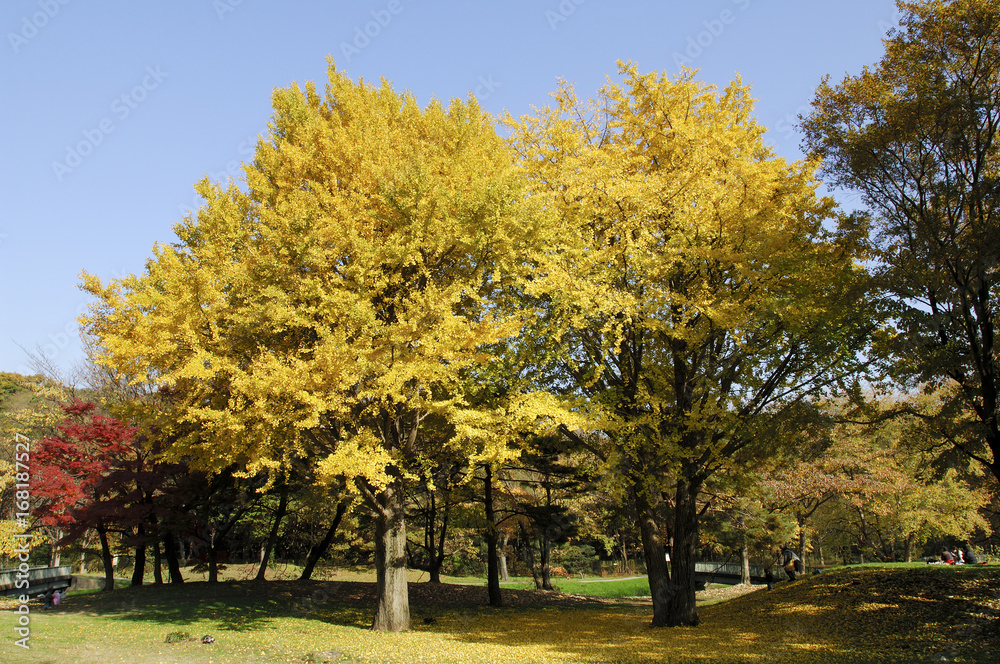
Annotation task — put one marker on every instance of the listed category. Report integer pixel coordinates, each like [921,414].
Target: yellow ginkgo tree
[335,301]
[701,290]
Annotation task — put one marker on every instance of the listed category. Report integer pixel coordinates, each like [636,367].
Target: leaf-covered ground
[931,614]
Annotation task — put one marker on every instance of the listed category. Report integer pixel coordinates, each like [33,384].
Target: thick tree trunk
[682,600]
[316,552]
[173,564]
[392,613]
[213,566]
[83,562]
[139,566]
[654,551]
[492,537]
[108,560]
[272,537]
[744,564]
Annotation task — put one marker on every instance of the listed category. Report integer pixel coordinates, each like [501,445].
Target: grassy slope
[863,615]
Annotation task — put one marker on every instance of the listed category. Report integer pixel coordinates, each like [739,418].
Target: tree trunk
[272,537]
[544,549]
[83,562]
[492,536]
[744,564]
[392,613]
[213,566]
[157,563]
[437,559]
[139,565]
[108,560]
[173,564]
[654,551]
[316,552]
[802,545]
[683,611]
[504,575]
[529,557]
[909,548]
[433,567]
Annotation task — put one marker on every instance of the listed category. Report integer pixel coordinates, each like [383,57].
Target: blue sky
[112,110]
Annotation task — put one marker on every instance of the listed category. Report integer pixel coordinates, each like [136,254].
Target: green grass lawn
[907,614]
[594,588]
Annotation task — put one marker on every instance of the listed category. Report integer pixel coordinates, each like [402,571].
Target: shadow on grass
[235,605]
[906,615]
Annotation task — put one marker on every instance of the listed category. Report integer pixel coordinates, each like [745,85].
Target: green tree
[916,136]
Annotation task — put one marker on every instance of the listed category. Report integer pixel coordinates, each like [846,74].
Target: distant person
[47,599]
[769,578]
[790,561]
[56,598]
[959,558]
[970,556]
[947,557]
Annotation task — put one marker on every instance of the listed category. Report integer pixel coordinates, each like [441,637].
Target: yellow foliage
[696,278]
[361,456]
[331,303]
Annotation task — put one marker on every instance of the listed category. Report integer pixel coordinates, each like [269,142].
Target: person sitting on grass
[947,557]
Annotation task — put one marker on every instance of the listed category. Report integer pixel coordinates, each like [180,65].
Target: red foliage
[78,473]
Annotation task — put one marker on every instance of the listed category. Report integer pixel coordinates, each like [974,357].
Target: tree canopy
[916,135]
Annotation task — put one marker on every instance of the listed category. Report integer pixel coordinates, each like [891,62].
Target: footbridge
[39,580]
